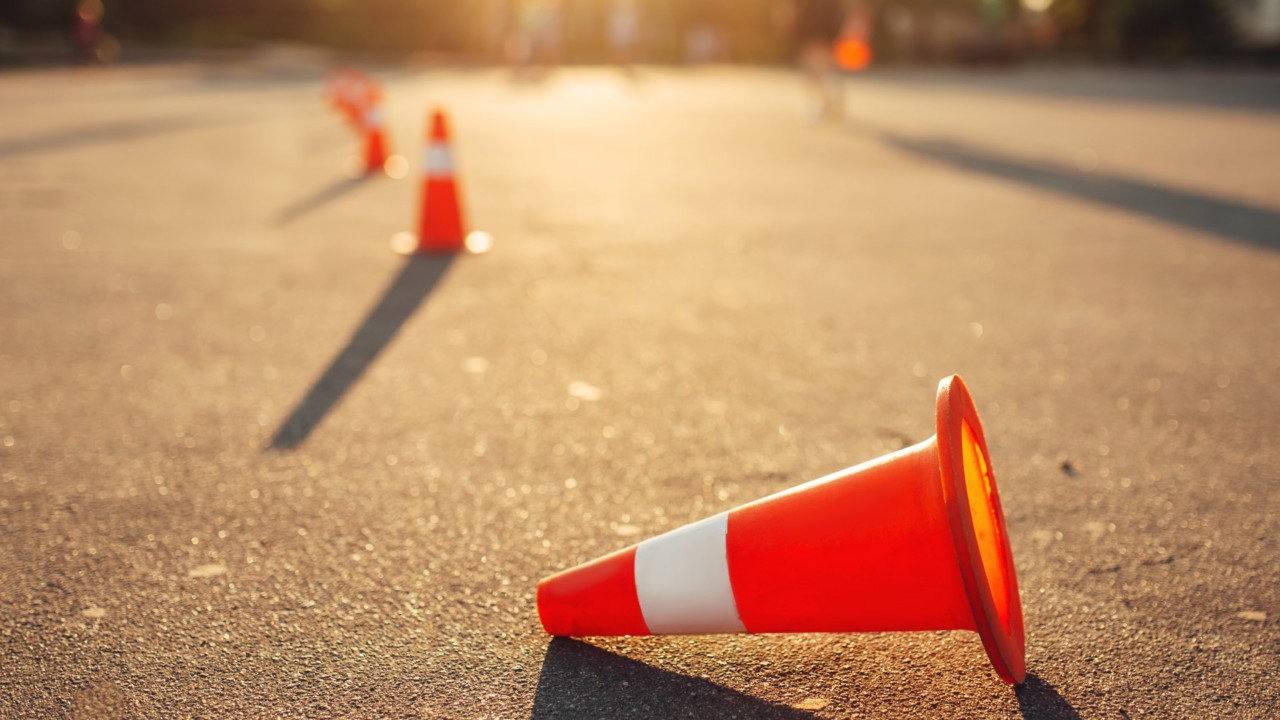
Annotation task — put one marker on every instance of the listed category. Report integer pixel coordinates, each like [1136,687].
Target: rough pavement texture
[695,299]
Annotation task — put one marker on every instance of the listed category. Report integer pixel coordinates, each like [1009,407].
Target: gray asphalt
[255,465]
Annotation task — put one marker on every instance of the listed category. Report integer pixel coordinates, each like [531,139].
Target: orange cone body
[373,127]
[341,91]
[914,540]
[441,226]
[333,89]
[852,54]
[351,87]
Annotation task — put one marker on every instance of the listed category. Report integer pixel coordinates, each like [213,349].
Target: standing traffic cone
[335,90]
[372,127]
[440,229]
[331,89]
[914,540]
[344,93]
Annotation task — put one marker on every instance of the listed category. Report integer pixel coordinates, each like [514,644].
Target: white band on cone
[437,159]
[374,117]
[682,580]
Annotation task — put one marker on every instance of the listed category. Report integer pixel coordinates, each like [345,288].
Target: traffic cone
[348,86]
[914,540]
[338,91]
[373,127]
[440,229]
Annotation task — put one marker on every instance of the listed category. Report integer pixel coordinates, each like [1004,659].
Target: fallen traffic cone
[440,227]
[914,540]
[372,127]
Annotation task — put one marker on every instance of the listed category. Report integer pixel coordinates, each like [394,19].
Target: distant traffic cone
[373,127]
[914,540]
[336,90]
[344,91]
[441,226]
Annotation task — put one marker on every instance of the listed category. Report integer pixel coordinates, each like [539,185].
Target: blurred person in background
[549,36]
[497,24]
[624,31]
[853,49]
[86,30]
[537,36]
[816,26]
[704,39]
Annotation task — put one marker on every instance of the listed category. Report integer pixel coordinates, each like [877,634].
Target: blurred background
[667,31]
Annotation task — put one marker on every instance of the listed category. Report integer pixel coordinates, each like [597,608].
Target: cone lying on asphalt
[914,540]
[441,227]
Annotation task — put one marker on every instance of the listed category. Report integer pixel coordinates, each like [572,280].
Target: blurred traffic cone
[440,229]
[331,86]
[373,127]
[852,54]
[852,50]
[914,540]
[343,92]
[335,90]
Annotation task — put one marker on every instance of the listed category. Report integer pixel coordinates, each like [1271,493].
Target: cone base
[430,248]
[978,530]
[408,244]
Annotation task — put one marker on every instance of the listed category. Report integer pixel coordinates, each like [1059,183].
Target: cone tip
[542,607]
[595,598]
[556,600]
[439,126]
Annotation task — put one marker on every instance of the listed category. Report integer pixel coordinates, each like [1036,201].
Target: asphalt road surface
[255,465]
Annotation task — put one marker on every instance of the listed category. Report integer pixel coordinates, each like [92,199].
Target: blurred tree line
[922,30]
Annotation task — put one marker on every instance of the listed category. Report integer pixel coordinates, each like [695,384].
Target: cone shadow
[417,278]
[1228,219]
[1039,701]
[1131,86]
[325,194]
[583,681]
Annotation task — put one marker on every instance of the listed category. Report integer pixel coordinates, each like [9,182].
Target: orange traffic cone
[346,90]
[440,229]
[372,126]
[914,540]
[338,91]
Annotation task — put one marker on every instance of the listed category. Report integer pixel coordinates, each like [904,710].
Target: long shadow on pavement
[1237,221]
[330,192]
[1254,91]
[403,296]
[583,681]
[1039,701]
[94,134]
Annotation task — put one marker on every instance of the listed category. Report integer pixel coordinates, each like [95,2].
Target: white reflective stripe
[374,117]
[682,580]
[437,160]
